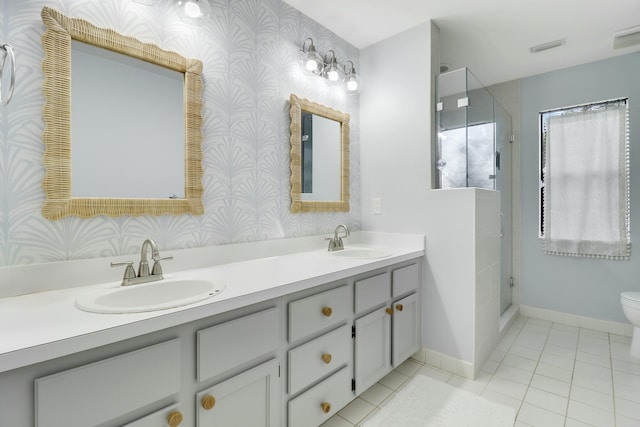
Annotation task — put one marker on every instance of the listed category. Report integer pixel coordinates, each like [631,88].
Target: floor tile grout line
[534,369]
[573,372]
[613,383]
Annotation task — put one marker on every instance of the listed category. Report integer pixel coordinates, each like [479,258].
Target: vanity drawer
[99,392]
[405,279]
[170,416]
[372,292]
[315,359]
[317,312]
[229,345]
[321,402]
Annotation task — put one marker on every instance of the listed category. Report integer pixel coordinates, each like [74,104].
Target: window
[584,180]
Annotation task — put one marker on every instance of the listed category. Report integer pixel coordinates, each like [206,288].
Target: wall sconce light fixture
[329,67]
[311,60]
[193,11]
[351,79]
[332,71]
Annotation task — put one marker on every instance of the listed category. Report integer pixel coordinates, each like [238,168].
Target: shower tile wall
[249,49]
[487,286]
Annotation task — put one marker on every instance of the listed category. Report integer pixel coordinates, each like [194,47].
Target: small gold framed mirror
[319,157]
[60,35]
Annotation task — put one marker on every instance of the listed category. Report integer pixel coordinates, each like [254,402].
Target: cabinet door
[406,328]
[372,358]
[251,398]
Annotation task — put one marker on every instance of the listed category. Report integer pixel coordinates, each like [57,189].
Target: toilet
[631,307]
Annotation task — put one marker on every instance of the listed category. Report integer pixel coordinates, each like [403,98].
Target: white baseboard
[432,358]
[618,328]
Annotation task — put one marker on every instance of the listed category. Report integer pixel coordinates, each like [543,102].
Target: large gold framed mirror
[64,184]
[319,157]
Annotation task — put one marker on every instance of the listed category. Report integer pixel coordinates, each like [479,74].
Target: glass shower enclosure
[473,149]
[466,154]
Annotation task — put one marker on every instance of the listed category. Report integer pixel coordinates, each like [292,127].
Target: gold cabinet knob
[174,419]
[326,407]
[208,402]
[399,307]
[389,311]
[327,311]
[326,358]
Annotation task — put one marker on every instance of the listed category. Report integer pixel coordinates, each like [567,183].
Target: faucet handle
[157,269]
[129,272]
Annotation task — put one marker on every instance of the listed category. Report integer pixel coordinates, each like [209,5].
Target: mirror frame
[56,65]
[297,204]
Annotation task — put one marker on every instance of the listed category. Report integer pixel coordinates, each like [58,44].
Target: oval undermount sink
[361,252]
[152,296]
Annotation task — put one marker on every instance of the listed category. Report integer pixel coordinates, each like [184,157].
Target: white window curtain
[586,198]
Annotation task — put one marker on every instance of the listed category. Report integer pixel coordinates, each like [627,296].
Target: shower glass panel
[504,175]
[465,150]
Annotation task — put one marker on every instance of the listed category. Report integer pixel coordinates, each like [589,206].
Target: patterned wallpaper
[249,49]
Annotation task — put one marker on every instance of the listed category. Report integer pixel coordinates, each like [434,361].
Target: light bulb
[352,85]
[192,9]
[332,75]
[311,64]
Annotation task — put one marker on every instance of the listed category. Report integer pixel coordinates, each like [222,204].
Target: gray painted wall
[579,286]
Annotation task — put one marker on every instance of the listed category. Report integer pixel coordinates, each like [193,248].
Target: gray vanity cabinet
[292,361]
[387,324]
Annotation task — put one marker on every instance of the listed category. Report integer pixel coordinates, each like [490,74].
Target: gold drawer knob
[327,311]
[208,402]
[399,307]
[326,407]
[174,419]
[326,358]
[389,311]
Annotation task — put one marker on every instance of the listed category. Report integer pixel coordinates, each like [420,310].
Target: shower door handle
[501,224]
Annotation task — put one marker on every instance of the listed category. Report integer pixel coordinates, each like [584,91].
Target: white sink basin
[361,252]
[152,296]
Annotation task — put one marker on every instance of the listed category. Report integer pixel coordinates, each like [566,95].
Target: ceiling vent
[626,38]
[546,46]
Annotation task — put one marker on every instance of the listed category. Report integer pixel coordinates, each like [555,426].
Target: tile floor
[552,374]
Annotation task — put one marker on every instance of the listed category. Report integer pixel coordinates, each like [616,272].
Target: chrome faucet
[335,242]
[143,276]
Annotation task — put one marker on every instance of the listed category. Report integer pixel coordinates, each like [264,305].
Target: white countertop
[44,325]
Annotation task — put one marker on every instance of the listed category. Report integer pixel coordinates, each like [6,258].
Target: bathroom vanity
[281,346]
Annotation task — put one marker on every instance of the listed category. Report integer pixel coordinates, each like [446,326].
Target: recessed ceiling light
[546,46]
[627,37]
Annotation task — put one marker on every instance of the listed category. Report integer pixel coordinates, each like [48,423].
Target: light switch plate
[377,206]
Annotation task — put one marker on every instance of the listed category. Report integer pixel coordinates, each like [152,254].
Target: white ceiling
[491,37]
